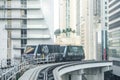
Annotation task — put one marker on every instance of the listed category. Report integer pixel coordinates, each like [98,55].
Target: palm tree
[67,31]
[57,32]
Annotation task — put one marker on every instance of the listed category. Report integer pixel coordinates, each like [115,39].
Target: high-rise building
[24,22]
[89,20]
[92,23]
[114,34]
[104,28]
[84,26]
[78,11]
[114,27]
[69,23]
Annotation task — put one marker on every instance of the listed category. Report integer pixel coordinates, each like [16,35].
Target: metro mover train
[60,52]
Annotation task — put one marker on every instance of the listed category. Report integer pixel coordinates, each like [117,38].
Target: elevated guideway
[85,70]
[17,70]
[74,70]
[33,74]
[82,71]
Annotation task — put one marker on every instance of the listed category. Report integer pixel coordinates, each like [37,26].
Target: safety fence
[15,72]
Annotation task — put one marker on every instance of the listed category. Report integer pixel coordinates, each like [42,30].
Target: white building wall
[15,14]
[36,42]
[15,52]
[36,13]
[16,34]
[62,14]
[1,13]
[3,41]
[37,4]
[73,19]
[38,32]
[1,3]
[95,24]
[15,4]
[3,36]
[46,11]
[15,24]
[36,22]
[90,26]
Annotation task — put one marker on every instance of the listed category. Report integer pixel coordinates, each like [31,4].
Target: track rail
[47,72]
[41,72]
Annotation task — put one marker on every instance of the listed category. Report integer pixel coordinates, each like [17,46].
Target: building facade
[114,25]
[69,22]
[114,34]
[92,25]
[23,23]
[84,26]
[104,29]
[89,20]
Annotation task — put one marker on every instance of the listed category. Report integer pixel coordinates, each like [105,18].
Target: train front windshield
[75,51]
[30,50]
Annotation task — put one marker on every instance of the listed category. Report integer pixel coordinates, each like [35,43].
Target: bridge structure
[93,70]
[39,69]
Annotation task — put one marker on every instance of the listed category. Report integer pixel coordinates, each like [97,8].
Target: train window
[51,48]
[54,48]
[30,49]
[75,50]
[62,48]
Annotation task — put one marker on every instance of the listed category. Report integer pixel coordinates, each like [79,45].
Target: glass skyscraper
[114,34]
[114,28]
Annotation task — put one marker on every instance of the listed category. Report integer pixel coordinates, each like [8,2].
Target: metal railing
[25,65]
[19,7]
[11,73]
[9,6]
[3,63]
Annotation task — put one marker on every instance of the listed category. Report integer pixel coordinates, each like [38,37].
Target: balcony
[28,27]
[2,17]
[23,45]
[23,7]
[32,37]
[37,27]
[15,27]
[24,36]
[18,47]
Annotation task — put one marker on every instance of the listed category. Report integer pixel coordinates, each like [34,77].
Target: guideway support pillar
[76,75]
[86,74]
